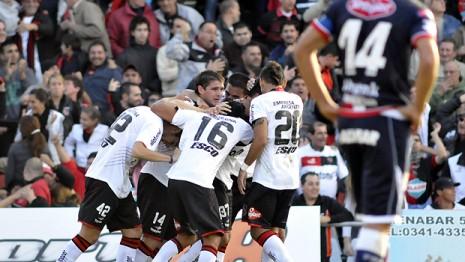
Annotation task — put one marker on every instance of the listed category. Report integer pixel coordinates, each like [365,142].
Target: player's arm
[260,130]
[305,57]
[166,108]
[140,151]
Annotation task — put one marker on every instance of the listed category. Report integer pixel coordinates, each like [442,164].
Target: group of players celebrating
[198,153]
[184,190]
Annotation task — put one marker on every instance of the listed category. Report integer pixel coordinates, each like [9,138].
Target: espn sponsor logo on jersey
[371,9]
[155,138]
[359,136]
[360,94]
[254,214]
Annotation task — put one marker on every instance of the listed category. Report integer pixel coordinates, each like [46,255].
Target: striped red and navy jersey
[375,38]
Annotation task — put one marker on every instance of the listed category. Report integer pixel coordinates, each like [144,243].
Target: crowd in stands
[68,68]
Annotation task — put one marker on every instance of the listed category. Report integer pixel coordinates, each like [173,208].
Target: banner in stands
[39,234]
[428,235]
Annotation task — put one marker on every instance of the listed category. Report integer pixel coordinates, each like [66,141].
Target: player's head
[236,87]
[253,90]
[310,183]
[271,77]
[318,133]
[209,86]
[171,134]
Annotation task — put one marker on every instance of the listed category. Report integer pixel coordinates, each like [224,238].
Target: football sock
[372,245]
[192,253]
[144,253]
[221,253]
[273,247]
[74,249]
[168,250]
[208,254]
[127,249]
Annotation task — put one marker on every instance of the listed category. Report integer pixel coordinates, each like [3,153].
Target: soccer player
[204,145]
[276,118]
[375,39]
[108,200]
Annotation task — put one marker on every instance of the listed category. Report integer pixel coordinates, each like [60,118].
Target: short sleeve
[257,109]
[423,26]
[341,166]
[182,116]
[325,24]
[151,134]
[247,135]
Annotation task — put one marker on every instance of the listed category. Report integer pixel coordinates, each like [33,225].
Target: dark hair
[312,127]
[96,43]
[41,95]
[92,112]
[181,18]
[240,25]
[238,80]
[77,83]
[287,23]
[304,177]
[138,20]
[449,40]
[273,74]
[8,41]
[72,41]
[329,49]
[92,155]
[237,109]
[249,44]
[205,23]
[204,79]
[35,139]
[126,87]
[256,89]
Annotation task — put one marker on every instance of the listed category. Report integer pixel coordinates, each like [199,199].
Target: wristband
[244,166]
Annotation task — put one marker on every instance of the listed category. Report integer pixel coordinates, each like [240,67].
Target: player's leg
[261,209]
[210,244]
[87,236]
[224,198]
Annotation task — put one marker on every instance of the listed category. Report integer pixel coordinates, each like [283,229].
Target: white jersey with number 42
[114,158]
[277,166]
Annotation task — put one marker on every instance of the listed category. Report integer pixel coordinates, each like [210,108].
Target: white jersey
[114,158]
[277,166]
[232,164]
[205,142]
[328,164]
[159,170]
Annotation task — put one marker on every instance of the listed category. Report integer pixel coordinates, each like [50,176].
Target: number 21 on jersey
[370,56]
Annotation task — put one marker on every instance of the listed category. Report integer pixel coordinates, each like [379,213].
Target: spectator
[85,137]
[170,9]
[331,211]
[32,144]
[36,33]
[197,56]
[446,24]
[85,20]
[297,86]
[76,94]
[168,69]
[17,76]
[2,31]
[282,53]
[33,174]
[9,11]
[270,24]
[131,96]
[97,78]
[230,14]
[153,98]
[140,54]
[21,193]
[252,60]
[446,115]
[448,87]
[72,59]
[445,195]
[119,28]
[323,160]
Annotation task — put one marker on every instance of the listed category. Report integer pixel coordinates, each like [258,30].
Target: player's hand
[242,181]
[329,111]
[220,109]
[413,115]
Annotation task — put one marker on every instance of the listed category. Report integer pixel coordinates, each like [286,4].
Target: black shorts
[194,208]
[376,159]
[238,199]
[224,197]
[266,207]
[157,221]
[102,207]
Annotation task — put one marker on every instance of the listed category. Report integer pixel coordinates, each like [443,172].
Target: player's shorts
[238,199]
[157,221]
[102,207]
[267,207]
[224,197]
[375,149]
[194,208]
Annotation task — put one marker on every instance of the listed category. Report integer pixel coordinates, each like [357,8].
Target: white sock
[207,255]
[70,253]
[373,241]
[125,254]
[220,256]
[167,251]
[265,257]
[141,257]
[192,253]
[274,248]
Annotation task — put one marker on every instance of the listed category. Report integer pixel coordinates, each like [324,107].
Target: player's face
[242,36]
[299,88]
[212,93]
[446,52]
[234,92]
[141,33]
[318,139]
[86,121]
[311,187]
